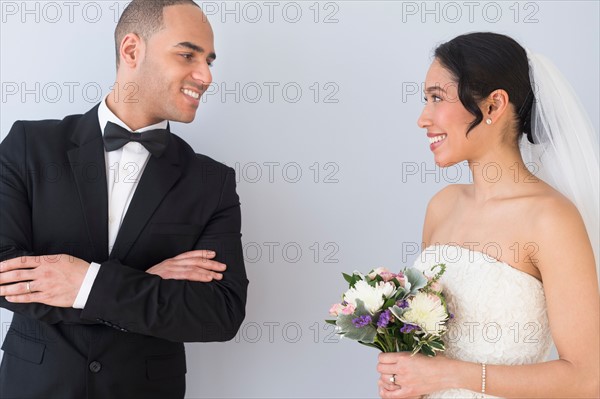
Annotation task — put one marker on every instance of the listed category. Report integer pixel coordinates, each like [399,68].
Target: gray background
[333,173]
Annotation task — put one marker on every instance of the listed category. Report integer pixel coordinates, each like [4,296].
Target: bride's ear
[495,105]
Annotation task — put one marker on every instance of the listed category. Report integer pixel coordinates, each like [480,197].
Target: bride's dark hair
[483,62]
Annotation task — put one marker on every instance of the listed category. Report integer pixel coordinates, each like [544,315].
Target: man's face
[174,71]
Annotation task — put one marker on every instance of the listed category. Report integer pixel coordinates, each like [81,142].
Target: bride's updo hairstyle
[483,62]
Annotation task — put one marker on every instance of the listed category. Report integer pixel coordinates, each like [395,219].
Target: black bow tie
[155,141]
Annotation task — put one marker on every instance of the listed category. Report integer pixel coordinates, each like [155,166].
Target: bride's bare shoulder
[561,242]
[440,205]
[447,198]
[546,204]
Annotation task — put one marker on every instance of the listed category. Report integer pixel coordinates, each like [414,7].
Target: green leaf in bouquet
[330,322]
[426,350]
[375,345]
[416,279]
[435,279]
[361,309]
[364,334]
[400,294]
[349,278]
[352,279]
[396,282]
[389,302]
[437,345]
[397,311]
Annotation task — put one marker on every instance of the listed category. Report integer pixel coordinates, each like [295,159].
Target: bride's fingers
[384,392]
[385,382]
[385,368]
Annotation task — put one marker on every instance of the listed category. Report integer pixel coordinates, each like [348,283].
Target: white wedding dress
[499,311]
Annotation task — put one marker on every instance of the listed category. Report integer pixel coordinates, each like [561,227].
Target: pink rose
[379,270]
[402,279]
[388,276]
[349,309]
[336,309]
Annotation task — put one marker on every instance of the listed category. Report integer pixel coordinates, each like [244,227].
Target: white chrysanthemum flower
[372,297]
[427,312]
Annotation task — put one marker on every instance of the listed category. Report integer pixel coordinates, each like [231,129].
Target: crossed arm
[187,298]
[191,297]
[55,280]
[198,295]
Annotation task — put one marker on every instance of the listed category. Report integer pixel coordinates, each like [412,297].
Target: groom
[133,246]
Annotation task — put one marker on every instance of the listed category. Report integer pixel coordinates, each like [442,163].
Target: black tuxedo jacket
[128,341]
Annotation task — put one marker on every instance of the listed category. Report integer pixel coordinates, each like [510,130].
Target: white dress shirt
[124,168]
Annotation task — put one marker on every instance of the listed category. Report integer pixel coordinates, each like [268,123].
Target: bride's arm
[565,259]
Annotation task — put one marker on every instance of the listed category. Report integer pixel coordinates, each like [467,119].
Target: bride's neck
[499,173]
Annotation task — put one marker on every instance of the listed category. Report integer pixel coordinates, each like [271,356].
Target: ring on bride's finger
[393,379]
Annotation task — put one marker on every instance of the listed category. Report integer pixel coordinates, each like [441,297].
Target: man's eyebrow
[195,48]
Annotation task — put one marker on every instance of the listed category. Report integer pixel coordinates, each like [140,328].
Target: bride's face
[447,120]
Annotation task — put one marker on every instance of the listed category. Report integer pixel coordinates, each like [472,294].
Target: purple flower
[407,328]
[403,304]
[451,315]
[384,319]
[362,321]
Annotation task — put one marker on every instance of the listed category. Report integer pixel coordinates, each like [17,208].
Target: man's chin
[183,118]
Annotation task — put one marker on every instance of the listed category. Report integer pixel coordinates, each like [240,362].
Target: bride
[521,272]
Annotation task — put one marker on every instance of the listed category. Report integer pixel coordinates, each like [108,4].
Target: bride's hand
[384,392]
[413,375]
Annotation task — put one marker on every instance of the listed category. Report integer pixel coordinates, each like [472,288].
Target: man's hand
[53,280]
[193,266]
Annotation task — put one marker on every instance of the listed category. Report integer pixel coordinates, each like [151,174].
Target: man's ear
[131,51]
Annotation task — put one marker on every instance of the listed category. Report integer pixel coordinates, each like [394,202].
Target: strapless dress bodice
[499,312]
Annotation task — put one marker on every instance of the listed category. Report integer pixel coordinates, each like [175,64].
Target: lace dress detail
[499,311]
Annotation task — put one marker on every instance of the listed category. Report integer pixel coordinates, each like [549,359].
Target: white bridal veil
[566,151]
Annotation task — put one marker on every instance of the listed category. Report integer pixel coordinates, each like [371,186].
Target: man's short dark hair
[144,18]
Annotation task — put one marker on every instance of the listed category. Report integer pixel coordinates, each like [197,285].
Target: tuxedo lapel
[157,179]
[89,171]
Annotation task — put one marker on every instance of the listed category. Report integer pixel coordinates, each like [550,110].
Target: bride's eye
[433,98]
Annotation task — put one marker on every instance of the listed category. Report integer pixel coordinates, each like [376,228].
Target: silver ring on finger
[29,287]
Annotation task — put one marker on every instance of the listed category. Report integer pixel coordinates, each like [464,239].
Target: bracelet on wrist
[483,375]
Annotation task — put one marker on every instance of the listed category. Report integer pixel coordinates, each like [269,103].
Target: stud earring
[488,121]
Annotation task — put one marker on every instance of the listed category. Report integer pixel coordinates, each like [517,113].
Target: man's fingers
[189,272]
[22,262]
[201,263]
[192,273]
[199,253]
[189,276]
[14,289]
[26,298]
[15,276]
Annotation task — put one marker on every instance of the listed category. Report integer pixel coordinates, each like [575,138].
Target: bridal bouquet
[394,312]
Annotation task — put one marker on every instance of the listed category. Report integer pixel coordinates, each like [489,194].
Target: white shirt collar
[106,115]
